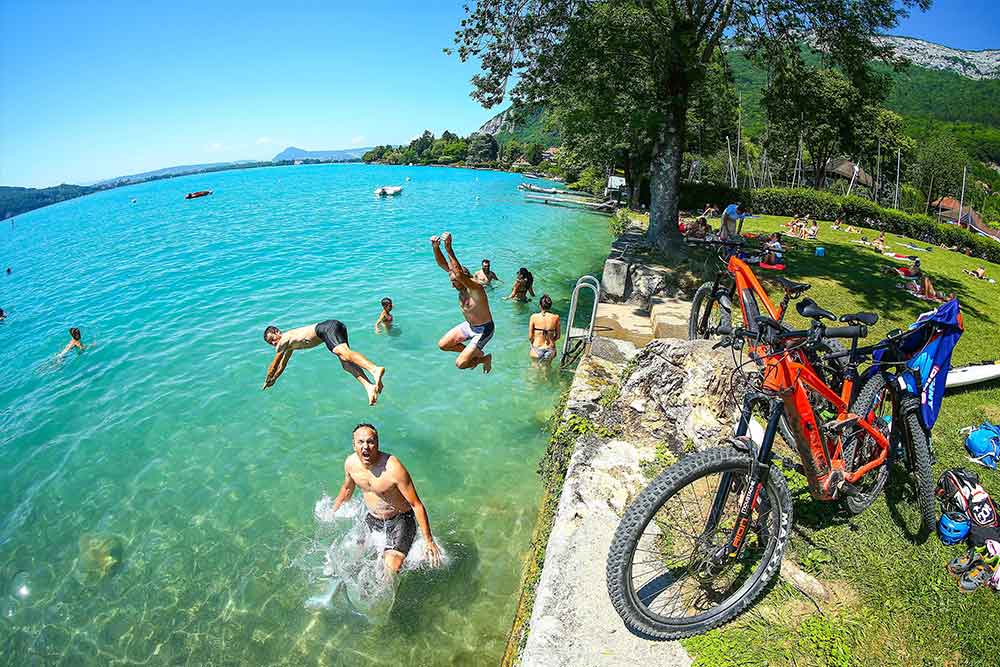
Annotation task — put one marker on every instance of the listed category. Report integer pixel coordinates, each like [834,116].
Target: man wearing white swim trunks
[470,337]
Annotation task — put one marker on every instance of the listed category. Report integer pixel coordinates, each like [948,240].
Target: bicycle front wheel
[710,310]
[664,575]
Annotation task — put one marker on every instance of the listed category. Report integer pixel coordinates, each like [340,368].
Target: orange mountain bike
[701,542]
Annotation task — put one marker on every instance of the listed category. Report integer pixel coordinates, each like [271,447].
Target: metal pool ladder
[577,338]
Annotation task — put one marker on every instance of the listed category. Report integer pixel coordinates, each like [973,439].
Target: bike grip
[724,331]
[856,331]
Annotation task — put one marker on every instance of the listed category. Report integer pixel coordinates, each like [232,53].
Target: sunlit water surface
[158,508]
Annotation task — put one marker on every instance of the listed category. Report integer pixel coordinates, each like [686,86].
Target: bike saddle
[809,308]
[794,289]
[860,318]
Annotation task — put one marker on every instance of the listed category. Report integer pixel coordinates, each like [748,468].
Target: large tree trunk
[665,179]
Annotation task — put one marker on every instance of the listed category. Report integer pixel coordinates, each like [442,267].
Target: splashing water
[344,560]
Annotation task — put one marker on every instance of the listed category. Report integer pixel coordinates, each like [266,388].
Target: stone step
[669,317]
[623,321]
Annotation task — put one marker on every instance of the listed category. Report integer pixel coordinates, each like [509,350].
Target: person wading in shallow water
[543,331]
[484,276]
[74,341]
[334,334]
[394,508]
[469,338]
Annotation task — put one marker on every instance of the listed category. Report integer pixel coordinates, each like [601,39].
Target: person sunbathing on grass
[470,337]
[924,289]
[334,334]
[879,243]
[978,274]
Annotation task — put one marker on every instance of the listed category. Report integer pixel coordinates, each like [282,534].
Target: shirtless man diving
[394,508]
[470,337]
[334,334]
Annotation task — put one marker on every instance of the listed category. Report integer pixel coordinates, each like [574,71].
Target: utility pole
[878,170]
[729,152]
[739,136]
[895,199]
[961,201]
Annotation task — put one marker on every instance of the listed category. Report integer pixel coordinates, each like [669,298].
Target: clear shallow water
[157,442]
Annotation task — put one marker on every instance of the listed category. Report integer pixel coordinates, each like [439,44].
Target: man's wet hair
[386,302]
[545,302]
[271,330]
[485,261]
[74,333]
[366,425]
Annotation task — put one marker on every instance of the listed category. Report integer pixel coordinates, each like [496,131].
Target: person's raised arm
[380,320]
[438,257]
[346,490]
[455,267]
[405,485]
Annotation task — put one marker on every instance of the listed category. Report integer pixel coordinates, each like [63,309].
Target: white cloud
[358,140]
[264,140]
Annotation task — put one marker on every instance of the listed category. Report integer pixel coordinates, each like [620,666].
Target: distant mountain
[293,153]
[179,170]
[19,200]
[972,64]
[526,126]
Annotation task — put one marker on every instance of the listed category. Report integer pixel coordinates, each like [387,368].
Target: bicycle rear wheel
[918,454]
[715,302]
[664,577]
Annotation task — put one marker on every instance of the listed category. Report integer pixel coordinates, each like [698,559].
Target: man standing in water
[485,276]
[470,337]
[394,508]
[334,334]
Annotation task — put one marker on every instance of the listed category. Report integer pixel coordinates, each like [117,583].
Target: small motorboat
[388,190]
[195,195]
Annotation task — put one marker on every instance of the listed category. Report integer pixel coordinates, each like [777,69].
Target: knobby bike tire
[868,400]
[777,501]
[919,454]
[705,297]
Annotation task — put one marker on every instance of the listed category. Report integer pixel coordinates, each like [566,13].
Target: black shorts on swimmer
[332,332]
[399,530]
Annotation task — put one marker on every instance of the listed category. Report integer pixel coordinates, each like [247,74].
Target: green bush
[854,210]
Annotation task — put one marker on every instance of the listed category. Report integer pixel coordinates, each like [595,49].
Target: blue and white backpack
[983,444]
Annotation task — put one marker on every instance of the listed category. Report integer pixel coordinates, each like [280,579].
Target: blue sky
[97,90]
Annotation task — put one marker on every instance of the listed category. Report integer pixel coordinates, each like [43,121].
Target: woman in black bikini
[385,317]
[543,331]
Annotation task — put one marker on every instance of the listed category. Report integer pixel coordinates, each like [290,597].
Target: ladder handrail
[594,285]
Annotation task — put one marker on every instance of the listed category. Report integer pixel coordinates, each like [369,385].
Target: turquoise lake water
[157,438]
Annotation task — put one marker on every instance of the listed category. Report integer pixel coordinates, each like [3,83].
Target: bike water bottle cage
[953,527]
[809,308]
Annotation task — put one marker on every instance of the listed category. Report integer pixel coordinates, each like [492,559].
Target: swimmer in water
[385,317]
[485,276]
[2,314]
[470,337]
[334,334]
[74,341]
[394,508]
[543,331]
[523,286]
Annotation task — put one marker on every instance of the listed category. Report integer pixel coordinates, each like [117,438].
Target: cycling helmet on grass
[953,527]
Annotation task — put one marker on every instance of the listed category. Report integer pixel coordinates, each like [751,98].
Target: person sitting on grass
[699,229]
[879,243]
[813,230]
[773,252]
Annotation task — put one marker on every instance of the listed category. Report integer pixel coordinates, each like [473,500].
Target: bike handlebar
[853,331]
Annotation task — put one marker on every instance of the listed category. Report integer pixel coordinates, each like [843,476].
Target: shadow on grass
[861,271]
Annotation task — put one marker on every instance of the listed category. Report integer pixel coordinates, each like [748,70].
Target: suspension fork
[703,325]
[759,470]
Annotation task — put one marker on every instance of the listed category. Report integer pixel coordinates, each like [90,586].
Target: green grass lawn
[895,604]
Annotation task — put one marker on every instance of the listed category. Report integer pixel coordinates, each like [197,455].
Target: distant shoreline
[15,201]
